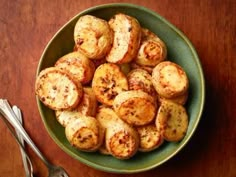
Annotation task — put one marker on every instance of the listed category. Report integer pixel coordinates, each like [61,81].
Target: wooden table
[27,25]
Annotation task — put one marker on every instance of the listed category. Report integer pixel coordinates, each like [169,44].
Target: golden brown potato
[172,121]
[108,81]
[85,133]
[66,116]
[140,79]
[107,117]
[122,141]
[135,107]
[78,66]
[150,137]
[93,36]
[169,79]
[152,49]
[57,90]
[127,36]
[87,107]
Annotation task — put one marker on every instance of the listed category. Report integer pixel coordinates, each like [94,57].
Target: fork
[26,161]
[25,157]
[7,112]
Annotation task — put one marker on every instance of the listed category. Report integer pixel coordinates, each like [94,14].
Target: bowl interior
[180,50]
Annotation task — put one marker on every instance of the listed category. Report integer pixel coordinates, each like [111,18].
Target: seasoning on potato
[78,66]
[108,81]
[127,37]
[121,140]
[172,121]
[152,49]
[85,133]
[135,107]
[93,36]
[150,137]
[57,90]
[169,79]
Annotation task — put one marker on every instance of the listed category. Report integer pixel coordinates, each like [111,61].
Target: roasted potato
[150,137]
[87,107]
[127,37]
[122,141]
[108,81]
[85,133]
[107,117]
[140,79]
[65,117]
[93,36]
[57,90]
[169,79]
[78,66]
[172,121]
[152,49]
[135,107]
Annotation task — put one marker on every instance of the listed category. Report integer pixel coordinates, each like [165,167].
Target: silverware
[7,112]
[26,160]
[25,156]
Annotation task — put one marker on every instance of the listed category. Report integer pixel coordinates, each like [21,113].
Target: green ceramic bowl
[180,50]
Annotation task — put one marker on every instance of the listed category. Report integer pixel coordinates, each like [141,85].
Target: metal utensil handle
[26,164]
[8,113]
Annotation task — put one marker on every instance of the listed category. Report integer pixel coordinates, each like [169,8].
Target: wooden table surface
[27,25]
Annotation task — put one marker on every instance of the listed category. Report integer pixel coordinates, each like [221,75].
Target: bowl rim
[202,88]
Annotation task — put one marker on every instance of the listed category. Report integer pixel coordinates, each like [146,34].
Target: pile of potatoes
[116,93]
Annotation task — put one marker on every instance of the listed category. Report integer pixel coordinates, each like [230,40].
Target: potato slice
[85,133]
[87,107]
[65,117]
[77,65]
[93,36]
[140,79]
[122,142]
[150,137]
[135,107]
[107,117]
[108,81]
[172,121]
[169,79]
[127,36]
[152,49]
[57,90]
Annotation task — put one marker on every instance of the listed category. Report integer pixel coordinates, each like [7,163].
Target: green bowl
[180,50]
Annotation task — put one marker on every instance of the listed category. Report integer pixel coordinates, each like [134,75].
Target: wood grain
[27,25]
